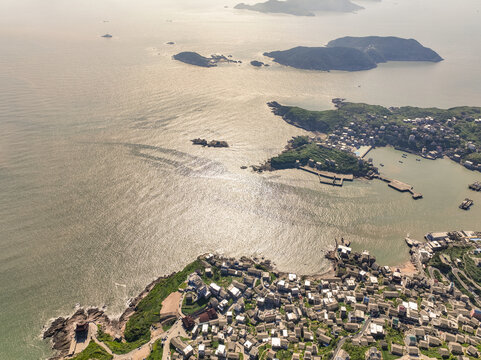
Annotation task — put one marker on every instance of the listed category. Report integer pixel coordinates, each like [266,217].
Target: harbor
[401,187]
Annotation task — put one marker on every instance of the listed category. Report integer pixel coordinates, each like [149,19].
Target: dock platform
[327,177]
[400,186]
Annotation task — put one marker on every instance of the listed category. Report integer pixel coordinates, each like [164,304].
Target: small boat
[466,204]
[106,36]
[381,164]
[418,159]
[401,162]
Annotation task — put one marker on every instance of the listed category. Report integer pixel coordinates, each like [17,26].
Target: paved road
[353,336]
[144,351]
[456,272]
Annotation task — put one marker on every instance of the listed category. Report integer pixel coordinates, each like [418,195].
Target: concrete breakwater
[327,177]
[401,187]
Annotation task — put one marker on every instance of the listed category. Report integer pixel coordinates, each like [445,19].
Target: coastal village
[350,132]
[438,136]
[245,309]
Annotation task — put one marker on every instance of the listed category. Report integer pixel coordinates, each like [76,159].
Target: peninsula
[196,59]
[235,309]
[428,132]
[354,54]
[301,7]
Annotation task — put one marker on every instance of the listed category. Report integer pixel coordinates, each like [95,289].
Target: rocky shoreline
[61,330]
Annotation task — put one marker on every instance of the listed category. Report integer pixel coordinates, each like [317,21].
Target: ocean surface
[101,189]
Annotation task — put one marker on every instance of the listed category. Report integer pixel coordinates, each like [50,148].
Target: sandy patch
[407,268]
[171,303]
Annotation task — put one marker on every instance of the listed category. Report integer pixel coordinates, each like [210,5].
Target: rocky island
[196,59]
[388,48]
[213,143]
[354,54]
[226,308]
[301,7]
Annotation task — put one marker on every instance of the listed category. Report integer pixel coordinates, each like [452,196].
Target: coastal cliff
[61,331]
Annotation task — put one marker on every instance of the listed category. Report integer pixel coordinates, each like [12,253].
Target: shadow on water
[173,160]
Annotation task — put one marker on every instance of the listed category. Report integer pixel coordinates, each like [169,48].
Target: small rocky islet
[257,63]
[193,58]
[212,143]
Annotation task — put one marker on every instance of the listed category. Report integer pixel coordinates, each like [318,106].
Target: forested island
[301,150]
[301,7]
[354,54]
[427,132]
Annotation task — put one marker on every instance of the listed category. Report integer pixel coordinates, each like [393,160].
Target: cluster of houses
[437,241]
[437,138]
[256,313]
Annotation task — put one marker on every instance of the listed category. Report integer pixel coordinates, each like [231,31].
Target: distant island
[428,132]
[258,63]
[388,48]
[354,54]
[301,7]
[213,143]
[196,59]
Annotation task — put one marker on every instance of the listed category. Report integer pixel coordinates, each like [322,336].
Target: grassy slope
[138,326]
[137,329]
[157,351]
[346,163]
[196,306]
[93,351]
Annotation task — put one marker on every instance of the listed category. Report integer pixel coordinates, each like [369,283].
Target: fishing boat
[466,204]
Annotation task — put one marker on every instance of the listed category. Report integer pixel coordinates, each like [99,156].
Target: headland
[225,308]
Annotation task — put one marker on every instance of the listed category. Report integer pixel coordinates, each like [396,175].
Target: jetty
[327,177]
[476,186]
[466,204]
[363,152]
[411,242]
[401,187]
